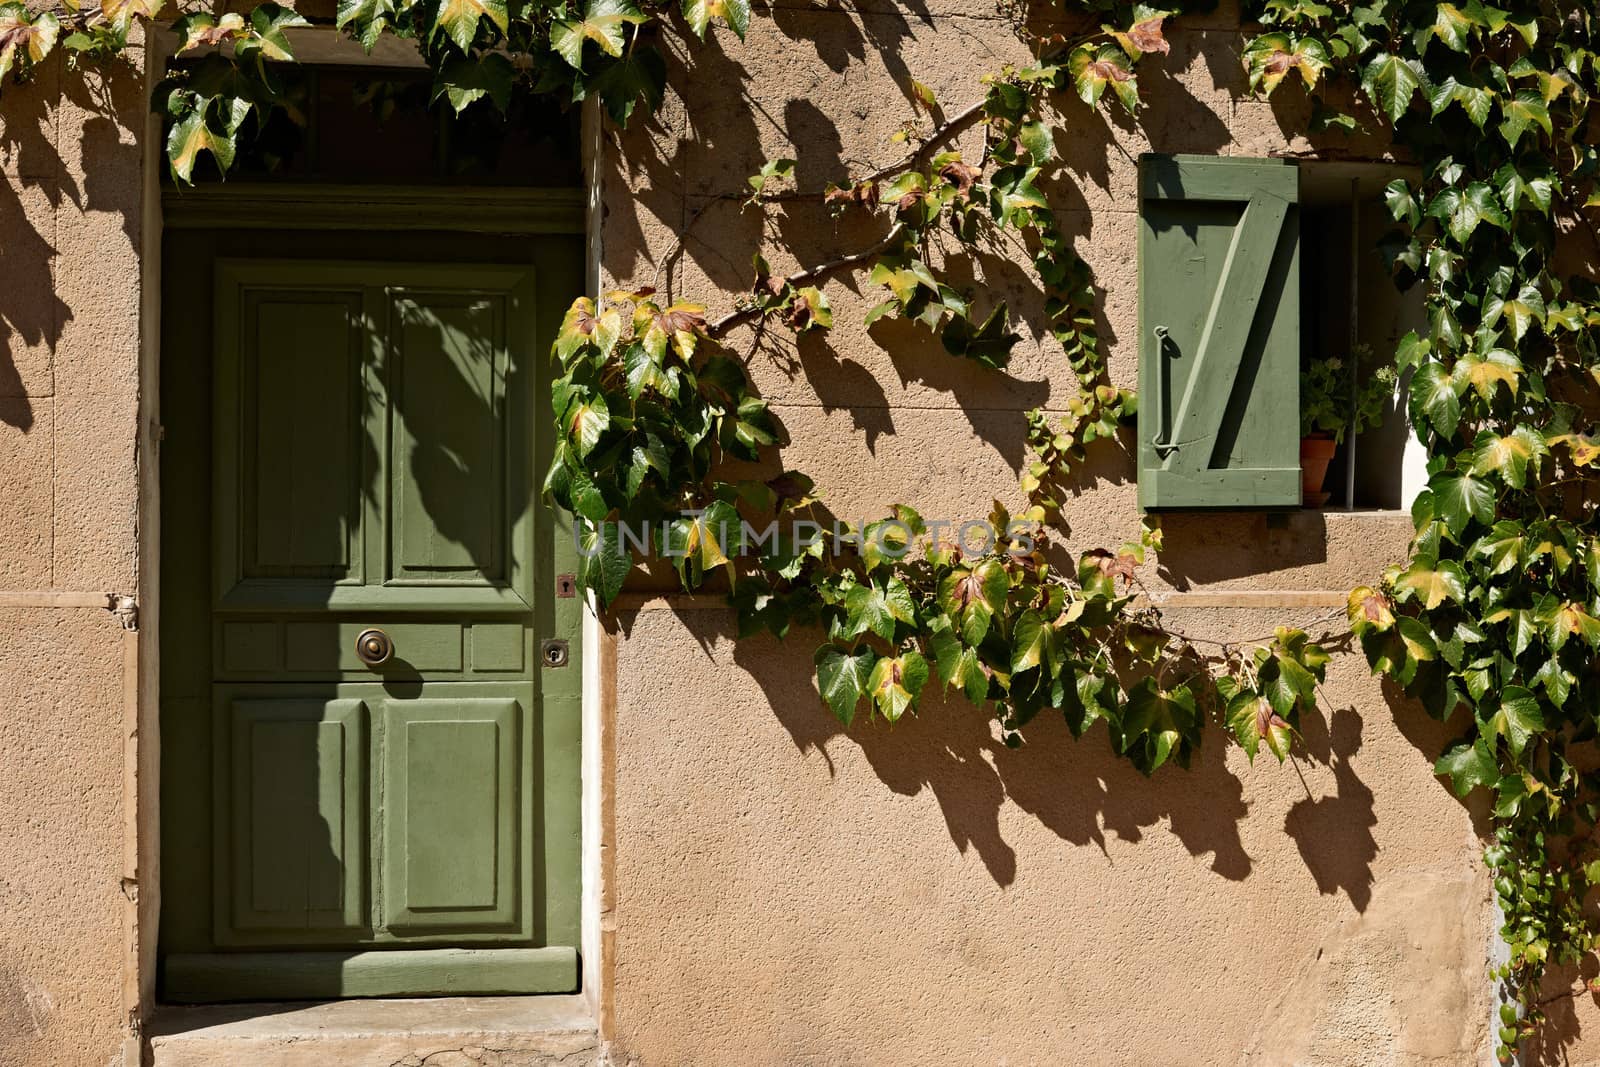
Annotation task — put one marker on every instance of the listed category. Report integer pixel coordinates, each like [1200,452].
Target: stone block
[26,456]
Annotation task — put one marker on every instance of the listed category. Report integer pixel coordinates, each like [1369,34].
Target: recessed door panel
[448,384]
[294,785]
[451,815]
[301,416]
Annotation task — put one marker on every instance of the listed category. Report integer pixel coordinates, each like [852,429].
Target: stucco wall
[69,370]
[779,891]
[789,893]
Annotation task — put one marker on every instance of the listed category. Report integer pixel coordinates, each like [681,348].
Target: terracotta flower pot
[1316,452]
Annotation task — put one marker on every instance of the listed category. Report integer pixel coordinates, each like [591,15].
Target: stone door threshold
[434,1032]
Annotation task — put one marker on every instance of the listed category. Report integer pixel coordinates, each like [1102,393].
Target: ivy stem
[951,127]
[804,277]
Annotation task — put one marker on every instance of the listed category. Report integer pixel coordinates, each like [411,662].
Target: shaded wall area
[785,892]
[69,394]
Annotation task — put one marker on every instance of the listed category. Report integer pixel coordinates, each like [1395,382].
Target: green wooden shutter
[1219,333]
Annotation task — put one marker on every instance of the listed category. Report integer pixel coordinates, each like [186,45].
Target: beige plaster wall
[779,891]
[69,367]
[784,892]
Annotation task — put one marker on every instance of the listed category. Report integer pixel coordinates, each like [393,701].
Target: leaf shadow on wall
[40,197]
[1334,832]
[1562,1027]
[1082,792]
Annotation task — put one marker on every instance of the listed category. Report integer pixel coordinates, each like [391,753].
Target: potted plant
[1328,409]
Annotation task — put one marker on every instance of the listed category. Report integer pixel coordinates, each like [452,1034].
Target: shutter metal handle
[373,647]
[1159,442]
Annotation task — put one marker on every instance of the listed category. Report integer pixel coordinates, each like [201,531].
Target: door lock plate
[553,652]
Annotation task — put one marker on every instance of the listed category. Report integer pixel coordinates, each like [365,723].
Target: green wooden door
[400,827]
[1219,333]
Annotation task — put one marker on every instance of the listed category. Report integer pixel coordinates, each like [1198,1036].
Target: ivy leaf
[750,427]
[1435,399]
[1484,373]
[1391,82]
[1325,119]
[266,36]
[896,683]
[1432,582]
[1516,719]
[651,455]
[197,29]
[120,13]
[958,665]
[842,678]
[1508,456]
[1453,27]
[1144,35]
[1475,100]
[641,75]
[772,170]
[809,309]
[1252,720]
[1461,498]
[603,560]
[699,13]
[464,81]
[878,608]
[1568,619]
[604,22]
[1411,351]
[581,326]
[1516,189]
[1468,766]
[1582,449]
[1520,312]
[1526,109]
[33,36]
[584,420]
[973,597]
[1368,610]
[1028,641]
[1556,681]
[1502,546]
[1270,57]
[1402,204]
[458,20]
[1012,194]
[192,135]
[1462,211]
[1155,723]
[704,540]
[364,18]
[1093,69]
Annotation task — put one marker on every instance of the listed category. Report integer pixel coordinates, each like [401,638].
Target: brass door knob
[373,647]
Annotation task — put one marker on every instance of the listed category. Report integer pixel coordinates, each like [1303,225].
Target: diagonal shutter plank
[1227,329]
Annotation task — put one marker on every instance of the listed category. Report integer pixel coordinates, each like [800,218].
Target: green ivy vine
[1493,622]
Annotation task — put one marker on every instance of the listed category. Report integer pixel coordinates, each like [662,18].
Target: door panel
[301,433]
[451,804]
[296,787]
[376,446]
[448,384]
